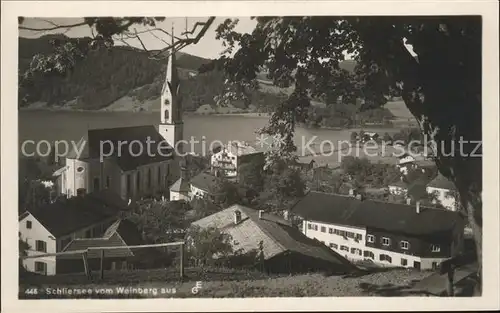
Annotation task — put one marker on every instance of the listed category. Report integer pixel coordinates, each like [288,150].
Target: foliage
[203,207]
[204,245]
[158,220]
[364,172]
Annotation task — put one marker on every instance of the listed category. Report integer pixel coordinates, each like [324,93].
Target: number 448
[31,291]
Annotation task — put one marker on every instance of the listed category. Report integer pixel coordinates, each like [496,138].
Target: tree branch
[52,28]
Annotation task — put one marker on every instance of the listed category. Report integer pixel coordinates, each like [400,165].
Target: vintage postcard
[177,153]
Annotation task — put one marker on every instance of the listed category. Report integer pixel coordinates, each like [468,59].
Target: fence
[84,255]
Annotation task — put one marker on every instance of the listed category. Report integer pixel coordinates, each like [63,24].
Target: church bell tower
[171,124]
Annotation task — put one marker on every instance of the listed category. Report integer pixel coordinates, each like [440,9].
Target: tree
[354,136]
[387,137]
[159,220]
[442,90]
[205,245]
[440,83]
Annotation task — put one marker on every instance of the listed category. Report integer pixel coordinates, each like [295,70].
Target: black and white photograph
[283,155]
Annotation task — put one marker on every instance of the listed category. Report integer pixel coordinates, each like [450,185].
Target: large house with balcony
[387,234]
[230,157]
[50,228]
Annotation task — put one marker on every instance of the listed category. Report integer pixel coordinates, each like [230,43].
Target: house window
[316,227]
[333,245]
[350,234]
[344,248]
[386,241]
[435,265]
[124,265]
[336,232]
[96,184]
[323,229]
[41,246]
[28,224]
[369,254]
[435,248]
[41,267]
[385,257]
[353,250]
[405,245]
[309,226]
[342,233]
[359,237]
[404,262]
[330,230]
[370,238]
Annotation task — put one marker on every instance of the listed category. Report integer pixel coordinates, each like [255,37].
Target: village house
[387,234]
[280,246]
[232,156]
[445,192]
[121,233]
[132,161]
[202,185]
[50,228]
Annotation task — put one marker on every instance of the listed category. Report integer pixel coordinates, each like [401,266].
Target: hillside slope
[128,79]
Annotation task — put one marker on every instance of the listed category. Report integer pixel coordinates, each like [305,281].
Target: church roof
[140,145]
[205,181]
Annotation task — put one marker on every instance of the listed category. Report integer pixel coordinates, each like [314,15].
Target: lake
[63,125]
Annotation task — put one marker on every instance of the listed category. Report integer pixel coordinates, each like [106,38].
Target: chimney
[408,201]
[286,215]
[261,213]
[417,207]
[237,217]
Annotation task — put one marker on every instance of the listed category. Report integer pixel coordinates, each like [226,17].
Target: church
[134,161]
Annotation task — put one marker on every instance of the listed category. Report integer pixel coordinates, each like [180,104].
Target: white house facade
[386,234]
[40,241]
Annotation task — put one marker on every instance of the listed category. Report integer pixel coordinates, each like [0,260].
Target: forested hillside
[107,75]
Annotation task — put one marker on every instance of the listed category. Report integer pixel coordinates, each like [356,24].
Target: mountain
[108,75]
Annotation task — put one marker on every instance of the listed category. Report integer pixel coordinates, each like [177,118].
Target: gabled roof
[205,182]
[181,185]
[126,157]
[441,182]
[276,234]
[240,148]
[391,217]
[120,233]
[68,215]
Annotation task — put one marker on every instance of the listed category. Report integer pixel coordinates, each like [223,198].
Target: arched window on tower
[166,115]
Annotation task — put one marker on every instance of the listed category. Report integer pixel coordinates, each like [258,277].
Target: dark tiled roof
[204,181]
[392,217]
[68,215]
[441,182]
[125,159]
[276,234]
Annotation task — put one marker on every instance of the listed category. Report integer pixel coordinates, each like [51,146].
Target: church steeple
[171,107]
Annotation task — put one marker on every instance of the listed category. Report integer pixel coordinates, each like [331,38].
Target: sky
[207,47]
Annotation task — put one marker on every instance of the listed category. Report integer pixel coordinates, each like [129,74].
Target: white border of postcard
[9,148]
